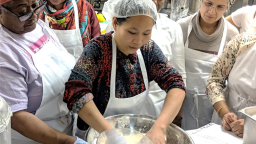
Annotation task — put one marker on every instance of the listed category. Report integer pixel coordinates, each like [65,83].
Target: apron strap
[143,69]
[113,69]
[76,14]
[189,29]
[223,36]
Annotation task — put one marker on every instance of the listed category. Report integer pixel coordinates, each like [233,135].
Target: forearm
[229,19]
[172,105]
[222,108]
[91,115]
[33,128]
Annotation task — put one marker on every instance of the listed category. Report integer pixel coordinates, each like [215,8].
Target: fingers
[231,117]
[156,136]
[239,134]
[226,125]
[238,127]
[235,126]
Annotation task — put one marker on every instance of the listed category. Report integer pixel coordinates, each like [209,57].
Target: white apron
[54,64]
[156,94]
[71,39]
[197,109]
[241,84]
[132,105]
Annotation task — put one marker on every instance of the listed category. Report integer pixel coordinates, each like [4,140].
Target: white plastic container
[5,124]
[249,125]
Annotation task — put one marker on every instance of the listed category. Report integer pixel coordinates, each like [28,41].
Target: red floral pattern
[92,73]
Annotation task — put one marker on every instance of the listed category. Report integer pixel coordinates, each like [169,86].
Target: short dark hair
[119,21]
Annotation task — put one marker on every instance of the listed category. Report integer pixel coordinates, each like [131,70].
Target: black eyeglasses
[28,15]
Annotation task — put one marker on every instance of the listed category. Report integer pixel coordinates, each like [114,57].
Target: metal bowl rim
[144,116]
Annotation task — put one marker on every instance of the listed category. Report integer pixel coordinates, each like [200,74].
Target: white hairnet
[129,8]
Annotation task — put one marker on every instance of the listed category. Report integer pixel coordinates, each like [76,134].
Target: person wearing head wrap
[112,76]
[205,34]
[74,22]
[34,68]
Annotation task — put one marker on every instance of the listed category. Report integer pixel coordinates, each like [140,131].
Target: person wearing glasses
[34,68]
[73,21]
[205,34]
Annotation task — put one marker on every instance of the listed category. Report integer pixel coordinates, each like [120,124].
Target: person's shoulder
[103,38]
[249,8]
[8,46]
[241,43]
[245,38]
[174,29]
[42,23]
[102,42]
[149,46]
[253,7]
[244,10]
[12,54]
[185,20]
[88,5]
[168,21]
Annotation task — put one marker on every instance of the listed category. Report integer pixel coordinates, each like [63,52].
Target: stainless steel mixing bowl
[142,123]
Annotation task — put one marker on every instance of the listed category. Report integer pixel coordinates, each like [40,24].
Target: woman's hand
[238,127]
[156,135]
[113,137]
[227,120]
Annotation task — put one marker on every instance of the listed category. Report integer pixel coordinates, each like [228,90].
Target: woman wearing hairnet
[205,34]
[113,73]
[236,65]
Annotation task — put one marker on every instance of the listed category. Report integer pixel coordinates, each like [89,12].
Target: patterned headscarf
[64,19]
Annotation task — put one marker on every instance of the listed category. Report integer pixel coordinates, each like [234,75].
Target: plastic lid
[5,114]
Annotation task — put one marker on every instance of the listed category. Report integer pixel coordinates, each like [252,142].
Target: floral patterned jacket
[217,80]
